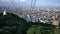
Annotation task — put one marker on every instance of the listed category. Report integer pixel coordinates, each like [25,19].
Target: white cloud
[7,1]
[22,0]
[13,1]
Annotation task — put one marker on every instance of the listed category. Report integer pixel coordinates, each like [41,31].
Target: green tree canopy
[11,23]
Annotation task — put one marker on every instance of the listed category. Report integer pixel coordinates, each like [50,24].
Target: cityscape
[37,14]
[29,16]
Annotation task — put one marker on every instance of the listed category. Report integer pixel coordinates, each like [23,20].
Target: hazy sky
[39,3]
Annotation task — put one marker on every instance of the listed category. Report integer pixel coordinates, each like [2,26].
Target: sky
[27,3]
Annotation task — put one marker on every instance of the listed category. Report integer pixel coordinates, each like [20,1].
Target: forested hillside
[12,24]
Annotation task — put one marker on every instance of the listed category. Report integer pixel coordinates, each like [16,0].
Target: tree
[13,24]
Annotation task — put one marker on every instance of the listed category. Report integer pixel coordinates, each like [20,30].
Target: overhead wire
[33,2]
